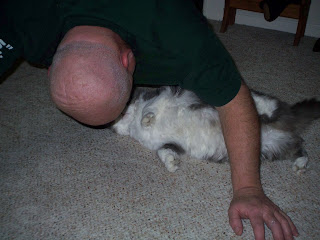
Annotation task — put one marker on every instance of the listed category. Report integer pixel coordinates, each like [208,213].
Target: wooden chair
[296,11]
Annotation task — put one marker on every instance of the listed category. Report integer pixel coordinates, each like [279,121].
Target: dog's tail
[304,113]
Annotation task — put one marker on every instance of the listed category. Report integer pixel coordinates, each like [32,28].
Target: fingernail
[237,230]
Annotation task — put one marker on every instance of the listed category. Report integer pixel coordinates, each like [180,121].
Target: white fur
[300,165]
[168,118]
[169,158]
[264,104]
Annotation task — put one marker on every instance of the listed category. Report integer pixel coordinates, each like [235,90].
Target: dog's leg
[148,119]
[170,156]
[300,163]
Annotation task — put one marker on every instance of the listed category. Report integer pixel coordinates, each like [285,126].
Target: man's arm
[241,130]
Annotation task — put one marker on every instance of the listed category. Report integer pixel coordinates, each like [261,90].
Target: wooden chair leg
[298,33]
[303,17]
[304,24]
[225,21]
[232,15]
[301,25]
[305,14]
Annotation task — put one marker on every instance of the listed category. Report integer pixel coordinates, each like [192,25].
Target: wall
[213,9]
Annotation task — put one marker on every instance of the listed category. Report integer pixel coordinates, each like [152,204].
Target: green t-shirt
[172,42]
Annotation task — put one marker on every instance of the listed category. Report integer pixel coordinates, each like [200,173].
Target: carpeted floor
[62,180]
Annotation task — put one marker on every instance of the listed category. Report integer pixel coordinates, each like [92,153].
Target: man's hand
[253,204]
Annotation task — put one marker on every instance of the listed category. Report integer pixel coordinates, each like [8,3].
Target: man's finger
[258,227]
[287,232]
[235,221]
[292,226]
[275,226]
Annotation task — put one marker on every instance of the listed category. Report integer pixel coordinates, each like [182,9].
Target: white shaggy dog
[175,121]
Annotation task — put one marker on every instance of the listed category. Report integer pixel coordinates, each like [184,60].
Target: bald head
[89,82]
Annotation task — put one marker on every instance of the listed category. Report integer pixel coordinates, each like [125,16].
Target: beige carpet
[62,180]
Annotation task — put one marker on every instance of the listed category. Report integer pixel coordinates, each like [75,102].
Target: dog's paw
[148,119]
[123,123]
[300,165]
[169,158]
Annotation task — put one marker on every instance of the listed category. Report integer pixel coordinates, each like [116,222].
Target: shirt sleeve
[216,85]
[212,74]
[9,53]
[10,45]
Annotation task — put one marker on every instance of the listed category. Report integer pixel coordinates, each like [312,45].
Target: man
[100,50]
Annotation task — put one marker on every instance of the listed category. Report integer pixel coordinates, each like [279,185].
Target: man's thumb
[235,221]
